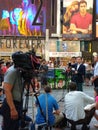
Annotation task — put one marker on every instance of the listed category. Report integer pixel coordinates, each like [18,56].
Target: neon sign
[22,18]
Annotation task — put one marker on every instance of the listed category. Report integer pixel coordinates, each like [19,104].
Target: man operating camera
[12,104]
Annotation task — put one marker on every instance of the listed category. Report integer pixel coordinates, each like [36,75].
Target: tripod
[23,124]
[67,81]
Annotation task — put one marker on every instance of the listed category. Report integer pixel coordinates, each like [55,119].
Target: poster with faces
[77,19]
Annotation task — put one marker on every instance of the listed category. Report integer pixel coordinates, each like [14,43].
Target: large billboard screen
[96,18]
[77,19]
[22,17]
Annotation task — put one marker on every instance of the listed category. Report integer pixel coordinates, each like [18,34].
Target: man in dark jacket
[79,73]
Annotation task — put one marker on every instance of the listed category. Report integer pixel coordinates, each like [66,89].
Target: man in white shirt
[95,77]
[75,101]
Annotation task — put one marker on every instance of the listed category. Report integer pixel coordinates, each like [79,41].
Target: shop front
[62,51]
[9,46]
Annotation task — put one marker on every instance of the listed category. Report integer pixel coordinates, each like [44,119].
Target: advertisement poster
[22,17]
[96,12]
[56,78]
[64,46]
[77,19]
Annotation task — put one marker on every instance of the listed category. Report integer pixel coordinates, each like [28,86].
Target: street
[59,95]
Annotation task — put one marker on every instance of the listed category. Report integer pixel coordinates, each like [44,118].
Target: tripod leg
[48,128]
[40,127]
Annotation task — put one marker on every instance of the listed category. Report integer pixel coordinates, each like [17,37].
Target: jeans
[8,123]
[79,86]
[96,82]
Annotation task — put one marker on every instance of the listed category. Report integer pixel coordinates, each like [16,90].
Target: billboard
[22,17]
[77,19]
[96,17]
[64,48]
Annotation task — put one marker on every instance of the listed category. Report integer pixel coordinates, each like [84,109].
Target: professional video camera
[27,62]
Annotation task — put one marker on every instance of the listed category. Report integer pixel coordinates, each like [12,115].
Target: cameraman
[12,104]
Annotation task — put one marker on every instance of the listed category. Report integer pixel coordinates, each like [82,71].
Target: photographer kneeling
[75,101]
[47,109]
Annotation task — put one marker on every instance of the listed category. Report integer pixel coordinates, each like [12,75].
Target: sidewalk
[59,95]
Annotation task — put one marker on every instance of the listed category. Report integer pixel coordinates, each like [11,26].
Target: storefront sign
[64,54]
[9,46]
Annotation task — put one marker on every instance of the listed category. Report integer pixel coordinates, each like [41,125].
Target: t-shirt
[96,98]
[96,69]
[82,22]
[13,77]
[75,101]
[52,105]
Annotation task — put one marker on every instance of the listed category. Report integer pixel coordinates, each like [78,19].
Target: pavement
[59,95]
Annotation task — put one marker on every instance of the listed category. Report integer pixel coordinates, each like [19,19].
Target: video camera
[27,63]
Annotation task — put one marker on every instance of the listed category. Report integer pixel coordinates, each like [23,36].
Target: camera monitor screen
[22,17]
[77,19]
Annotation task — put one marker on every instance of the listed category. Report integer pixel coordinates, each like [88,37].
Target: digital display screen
[96,18]
[22,17]
[77,19]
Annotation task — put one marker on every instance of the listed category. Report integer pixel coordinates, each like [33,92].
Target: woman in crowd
[70,10]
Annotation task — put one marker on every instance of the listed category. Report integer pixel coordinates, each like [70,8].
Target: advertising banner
[56,78]
[64,46]
[22,17]
[9,46]
[96,18]
[77,19]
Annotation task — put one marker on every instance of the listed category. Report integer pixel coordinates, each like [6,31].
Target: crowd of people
[48,110]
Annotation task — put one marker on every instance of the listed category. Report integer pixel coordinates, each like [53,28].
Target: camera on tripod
[28,64]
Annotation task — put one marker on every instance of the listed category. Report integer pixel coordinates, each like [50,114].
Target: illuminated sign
[64,46]
[8,46]
[77,19]
[96,18]
[22,17]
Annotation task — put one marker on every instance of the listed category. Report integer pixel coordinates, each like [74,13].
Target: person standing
[79,73]
[43,70]
[7,65]
[95,72]
[1,72]
[96,104]
[12,104]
